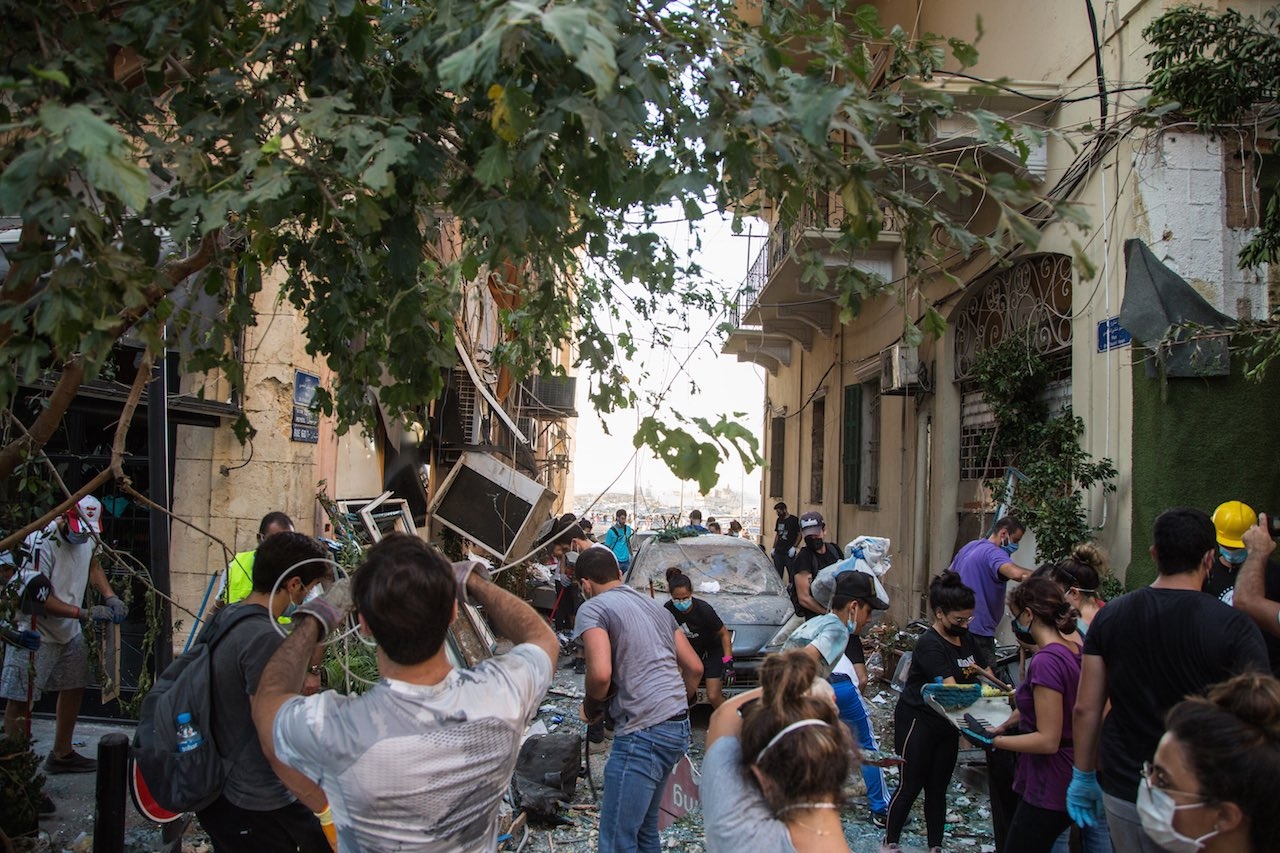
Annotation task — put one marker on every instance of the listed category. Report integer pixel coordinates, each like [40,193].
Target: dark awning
[1167,315]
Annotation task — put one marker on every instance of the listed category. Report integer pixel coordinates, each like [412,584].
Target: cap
[86,516]
[811,521]
[861,586]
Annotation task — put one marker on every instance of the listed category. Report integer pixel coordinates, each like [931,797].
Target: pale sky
[725,385]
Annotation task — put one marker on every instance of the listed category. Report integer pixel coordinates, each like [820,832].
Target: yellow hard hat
[1231,520]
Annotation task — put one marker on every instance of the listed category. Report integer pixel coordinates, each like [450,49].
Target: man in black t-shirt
[264,805]
[1145,652]
[786,538]
[1230,520]
[815,556]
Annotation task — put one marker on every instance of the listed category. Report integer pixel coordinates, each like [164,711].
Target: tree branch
[33,439]
[73,372]
[114,469]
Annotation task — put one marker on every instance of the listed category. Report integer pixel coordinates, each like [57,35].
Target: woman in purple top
[1041,616]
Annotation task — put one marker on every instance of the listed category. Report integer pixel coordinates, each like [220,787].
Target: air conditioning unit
[899,369]
[493,505]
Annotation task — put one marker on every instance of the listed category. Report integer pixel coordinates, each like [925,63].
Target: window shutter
[851,459]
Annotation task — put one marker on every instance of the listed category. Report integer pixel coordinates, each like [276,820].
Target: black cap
[859,585]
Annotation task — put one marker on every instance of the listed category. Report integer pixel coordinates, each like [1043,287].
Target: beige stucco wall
[225,488]
[920,493]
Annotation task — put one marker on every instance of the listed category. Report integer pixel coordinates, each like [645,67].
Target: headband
[798,724]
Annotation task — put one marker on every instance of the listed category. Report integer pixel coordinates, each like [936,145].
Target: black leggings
[1034,830]
[928,746]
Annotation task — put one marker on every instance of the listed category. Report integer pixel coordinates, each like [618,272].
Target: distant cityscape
[655,509]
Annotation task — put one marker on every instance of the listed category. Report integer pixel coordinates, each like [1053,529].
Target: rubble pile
[968,818]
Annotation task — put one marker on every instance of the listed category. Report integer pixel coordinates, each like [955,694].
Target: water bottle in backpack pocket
[188,735]
[174,747]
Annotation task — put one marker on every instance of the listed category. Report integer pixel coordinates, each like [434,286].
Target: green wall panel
[1199,442]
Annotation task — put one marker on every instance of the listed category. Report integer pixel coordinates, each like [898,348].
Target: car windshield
[738,566]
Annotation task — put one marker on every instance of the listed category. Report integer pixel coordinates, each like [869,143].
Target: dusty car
[748,595]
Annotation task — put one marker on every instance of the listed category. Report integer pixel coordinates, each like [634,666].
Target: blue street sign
[1111,335]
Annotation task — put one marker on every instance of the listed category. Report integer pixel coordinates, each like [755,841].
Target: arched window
[1034,293]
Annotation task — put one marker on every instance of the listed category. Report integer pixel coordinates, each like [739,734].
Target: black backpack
[184,781]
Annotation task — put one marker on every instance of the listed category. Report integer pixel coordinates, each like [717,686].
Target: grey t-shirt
[642,637]
[735,816]
[238,660]
[417,767]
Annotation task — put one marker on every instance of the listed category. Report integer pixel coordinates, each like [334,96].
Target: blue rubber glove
[29,640]
[1084,798]
[119,610]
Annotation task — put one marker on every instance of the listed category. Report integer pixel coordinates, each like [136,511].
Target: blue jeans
[634,778]
[853,711]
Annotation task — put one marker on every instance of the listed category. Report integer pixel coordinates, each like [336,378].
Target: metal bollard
[109,799]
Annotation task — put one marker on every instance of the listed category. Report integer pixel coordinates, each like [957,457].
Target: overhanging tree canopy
[339,139]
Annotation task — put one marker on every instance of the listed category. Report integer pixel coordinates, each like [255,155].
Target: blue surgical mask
[1022,631]
[683,606]
[1234,556]
[76,538]
[1009,548]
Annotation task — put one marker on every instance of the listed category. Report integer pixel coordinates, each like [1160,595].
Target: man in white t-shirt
[67,555]
[420,761]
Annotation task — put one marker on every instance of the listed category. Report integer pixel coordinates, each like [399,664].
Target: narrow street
[968,820]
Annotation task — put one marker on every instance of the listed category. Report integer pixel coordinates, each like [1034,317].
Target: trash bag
[869,554]
[547,771]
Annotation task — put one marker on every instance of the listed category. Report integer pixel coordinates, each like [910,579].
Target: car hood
[753,619]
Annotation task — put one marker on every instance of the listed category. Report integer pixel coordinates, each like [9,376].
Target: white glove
[462,570]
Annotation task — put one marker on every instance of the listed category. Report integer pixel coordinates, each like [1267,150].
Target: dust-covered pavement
[71,828]
[968,818]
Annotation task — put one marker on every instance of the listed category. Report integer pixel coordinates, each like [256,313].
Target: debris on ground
[968,817]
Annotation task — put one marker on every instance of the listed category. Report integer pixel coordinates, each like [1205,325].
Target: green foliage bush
[1045,449]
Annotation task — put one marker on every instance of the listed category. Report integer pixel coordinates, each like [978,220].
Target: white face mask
[571,558]
[1156,810]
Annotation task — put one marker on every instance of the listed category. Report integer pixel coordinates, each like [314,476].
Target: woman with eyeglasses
[1041,725]
[927,742]
[1080,575]
[1212,783]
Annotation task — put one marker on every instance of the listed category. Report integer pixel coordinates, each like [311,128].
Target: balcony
[776,307]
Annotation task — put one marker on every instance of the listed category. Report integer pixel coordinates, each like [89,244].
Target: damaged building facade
[225,488]
[893,440]
[523,428]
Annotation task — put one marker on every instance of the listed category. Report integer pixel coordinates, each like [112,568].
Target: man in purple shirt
[985,567]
